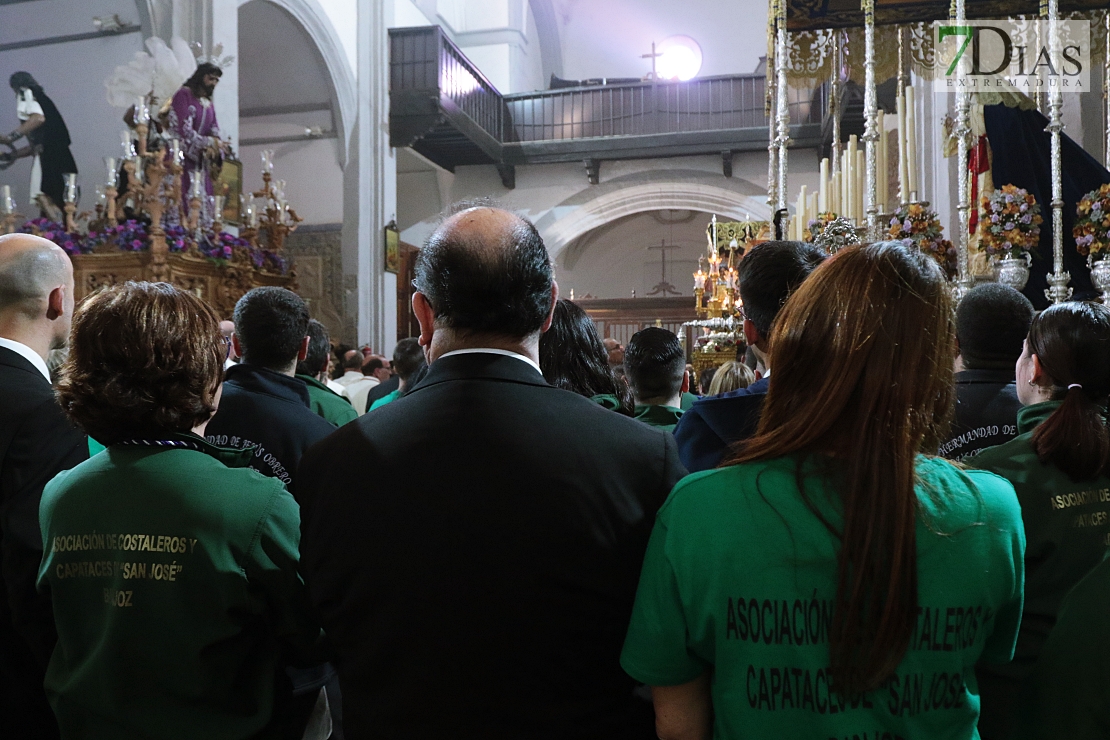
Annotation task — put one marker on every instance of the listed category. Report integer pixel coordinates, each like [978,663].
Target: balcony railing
[444,107]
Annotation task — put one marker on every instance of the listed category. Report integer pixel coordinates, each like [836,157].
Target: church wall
[314,179]
[613,261]
[73,75]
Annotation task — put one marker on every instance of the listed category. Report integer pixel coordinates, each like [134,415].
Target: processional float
[818,43]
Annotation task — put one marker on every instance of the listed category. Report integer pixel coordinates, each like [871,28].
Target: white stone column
[376,168]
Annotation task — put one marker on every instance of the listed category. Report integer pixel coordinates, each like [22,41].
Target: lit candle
[699,277]
[5,199]
[911,144]
[110,165]
[71,187]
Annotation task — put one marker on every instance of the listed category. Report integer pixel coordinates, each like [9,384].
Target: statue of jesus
[191,117]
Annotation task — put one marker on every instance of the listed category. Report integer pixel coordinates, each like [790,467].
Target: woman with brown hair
[171,566]
[1059,465]
[831,580]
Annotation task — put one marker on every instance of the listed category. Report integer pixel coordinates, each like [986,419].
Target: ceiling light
[680,58]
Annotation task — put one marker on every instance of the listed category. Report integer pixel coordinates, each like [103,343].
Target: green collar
[658,416]
[312,382]
[607,401]
[230,456]
[1030,417]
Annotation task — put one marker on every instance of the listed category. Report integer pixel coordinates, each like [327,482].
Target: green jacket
[327,403]
[173,576]
[1067,525]
[664,417]
[387,398]
[688,400]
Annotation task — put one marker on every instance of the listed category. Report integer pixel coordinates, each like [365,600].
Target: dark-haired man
[473,547]
[36,443]
[992,321]
[656,367]
[408,358]
[323,400]
[768,274]
[47,139]
[263,404]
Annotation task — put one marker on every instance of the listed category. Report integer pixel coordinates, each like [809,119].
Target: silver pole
[1058,290]
[838,63]
[964,282]
[772,118]
[782,138]
[1106,89]
[871,124]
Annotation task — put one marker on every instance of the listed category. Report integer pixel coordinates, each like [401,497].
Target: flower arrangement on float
[1010,222]
[918,226]
[1009,231]
[1092,236]
[818,225]
[719,341]
[132,236]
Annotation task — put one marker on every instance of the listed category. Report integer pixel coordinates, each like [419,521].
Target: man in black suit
[767,276]
[36,443]
[473,547]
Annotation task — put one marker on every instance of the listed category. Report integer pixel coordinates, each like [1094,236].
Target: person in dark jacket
[768,274]
[656,365]
[991,323]
[36,443]
[264,405]
[473,547]
[1059,464]
[323,400]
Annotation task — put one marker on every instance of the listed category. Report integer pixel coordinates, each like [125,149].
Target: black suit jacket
[473,551]
[36,443]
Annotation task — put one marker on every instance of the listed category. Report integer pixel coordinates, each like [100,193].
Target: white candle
[850,177]
[699,280]
[800,213]
[110,166]
[861,207]
[823,189]
[903,193]
[911,142]
[880,166]
[128,144]
[5,199]
[142,113]
[268,160]
[811,212]
[196,189]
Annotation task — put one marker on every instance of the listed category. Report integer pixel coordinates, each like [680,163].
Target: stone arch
[315,22]
[585,215]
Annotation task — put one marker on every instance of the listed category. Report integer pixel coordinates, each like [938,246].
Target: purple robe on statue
[193,121]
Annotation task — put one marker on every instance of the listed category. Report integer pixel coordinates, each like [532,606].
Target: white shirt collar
[31,356]
[491,351]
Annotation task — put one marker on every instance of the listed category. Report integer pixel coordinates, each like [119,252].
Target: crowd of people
[886,518]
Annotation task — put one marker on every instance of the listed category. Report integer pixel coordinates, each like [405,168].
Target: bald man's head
[485,271]
[30,268]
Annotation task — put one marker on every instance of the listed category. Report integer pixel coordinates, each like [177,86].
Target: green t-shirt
[663,417]
[327,403]
[387,398]
[175,590]
[688,400]
[740,579]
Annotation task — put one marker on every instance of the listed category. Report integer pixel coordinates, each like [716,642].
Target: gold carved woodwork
[219,284]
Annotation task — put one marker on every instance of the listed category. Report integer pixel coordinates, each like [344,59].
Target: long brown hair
[862,355]
[1072,342]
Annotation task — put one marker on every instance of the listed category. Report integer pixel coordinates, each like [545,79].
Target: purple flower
[1024,207]
[1027,218]
[1096,206]
[1009,198]
[227,252]
[136,244]
[907,225]
[994,218]
[1008,226]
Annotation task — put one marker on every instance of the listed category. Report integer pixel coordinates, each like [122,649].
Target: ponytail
[1075,438]
[1072,342]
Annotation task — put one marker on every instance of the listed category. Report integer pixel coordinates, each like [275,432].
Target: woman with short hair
[1059,465]
[831,579]
[172,567]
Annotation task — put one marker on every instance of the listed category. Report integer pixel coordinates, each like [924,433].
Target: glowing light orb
[681,58]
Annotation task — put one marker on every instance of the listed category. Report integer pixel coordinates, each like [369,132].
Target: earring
[1031,382]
